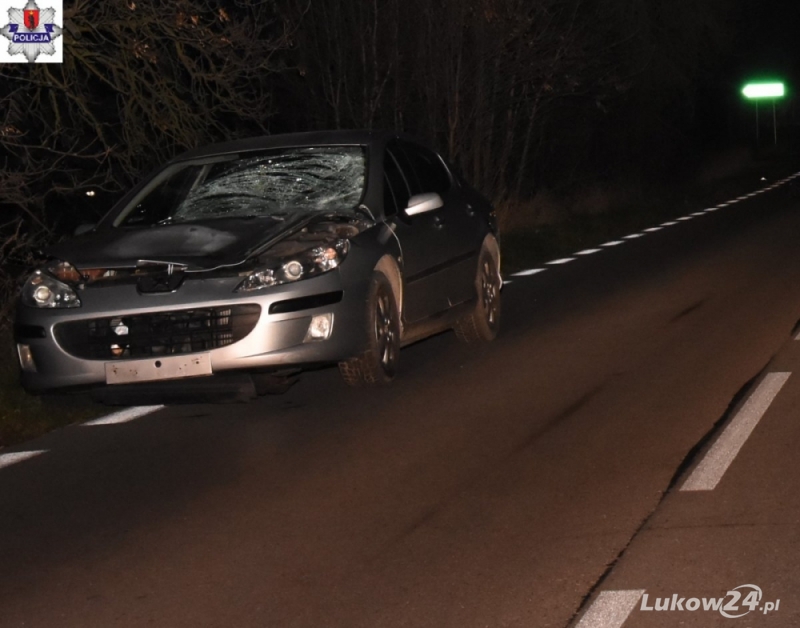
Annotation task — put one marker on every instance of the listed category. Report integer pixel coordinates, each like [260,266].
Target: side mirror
[84,228]
[423,203]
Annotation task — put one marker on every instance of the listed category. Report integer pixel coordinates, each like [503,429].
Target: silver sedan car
[255,258]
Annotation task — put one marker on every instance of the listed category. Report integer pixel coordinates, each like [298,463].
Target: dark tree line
[517,93]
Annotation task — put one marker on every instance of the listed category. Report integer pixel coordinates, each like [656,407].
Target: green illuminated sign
[755,91]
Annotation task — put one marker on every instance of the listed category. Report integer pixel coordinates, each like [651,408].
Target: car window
[431,172]
[270,184]
[396,192]
[157,204]
[408,171]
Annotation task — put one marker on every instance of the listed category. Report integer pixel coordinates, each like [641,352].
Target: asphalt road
[512,485]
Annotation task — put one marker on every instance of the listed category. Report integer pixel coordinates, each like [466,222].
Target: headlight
[42,290]
[313,262]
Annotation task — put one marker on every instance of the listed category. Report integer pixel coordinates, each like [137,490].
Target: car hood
[196,245]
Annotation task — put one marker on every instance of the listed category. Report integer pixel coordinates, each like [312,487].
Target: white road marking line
[610,609]
[6,460]
[529,272]
[797,337]
[709,472]
[123,416]
[507,282]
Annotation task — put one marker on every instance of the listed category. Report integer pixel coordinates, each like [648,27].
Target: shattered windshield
[269,184]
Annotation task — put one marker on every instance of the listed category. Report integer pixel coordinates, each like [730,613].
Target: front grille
[160,333]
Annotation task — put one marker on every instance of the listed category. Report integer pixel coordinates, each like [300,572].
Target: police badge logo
[32,32]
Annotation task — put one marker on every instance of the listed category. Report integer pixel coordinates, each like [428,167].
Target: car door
[421,238]
[460,227]
[437,245]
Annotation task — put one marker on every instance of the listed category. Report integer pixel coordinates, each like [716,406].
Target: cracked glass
[271,184]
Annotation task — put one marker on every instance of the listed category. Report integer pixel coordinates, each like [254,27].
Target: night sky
[768,42]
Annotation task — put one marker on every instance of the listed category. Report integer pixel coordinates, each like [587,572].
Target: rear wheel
[378,363]
[482,324]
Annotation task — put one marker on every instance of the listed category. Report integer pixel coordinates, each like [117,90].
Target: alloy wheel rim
[385,332]
[490,293]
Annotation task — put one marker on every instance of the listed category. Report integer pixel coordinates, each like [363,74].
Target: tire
[483,323]
[377,365]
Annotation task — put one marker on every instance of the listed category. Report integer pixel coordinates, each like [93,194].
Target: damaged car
[241,262]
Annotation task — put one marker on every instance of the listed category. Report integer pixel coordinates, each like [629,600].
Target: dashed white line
[610,609]
[123,416]
[529,272]
[7,460]
[709,472]
[533,271]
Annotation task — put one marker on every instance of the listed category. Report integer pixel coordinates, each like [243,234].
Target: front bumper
[277,341]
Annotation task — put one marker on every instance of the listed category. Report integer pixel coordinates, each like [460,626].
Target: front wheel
[483,323]
[377,365]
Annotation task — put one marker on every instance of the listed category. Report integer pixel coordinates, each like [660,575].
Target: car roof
[288,140]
